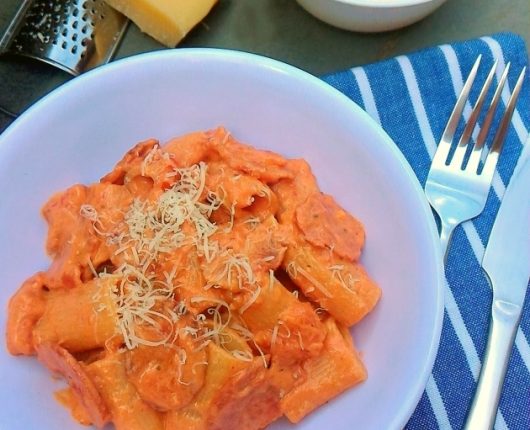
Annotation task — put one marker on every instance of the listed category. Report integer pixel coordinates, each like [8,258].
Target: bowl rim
[261,61]
[383,4]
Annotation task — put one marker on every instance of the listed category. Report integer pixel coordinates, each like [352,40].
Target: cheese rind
[167,21]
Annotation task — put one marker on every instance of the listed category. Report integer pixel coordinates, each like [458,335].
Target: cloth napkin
[411,97]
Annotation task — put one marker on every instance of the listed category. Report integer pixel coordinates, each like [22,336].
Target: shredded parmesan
[300,342]
[349,283]
[253,297]
[92,268]
[148,230]
[155,150]
[242,355]
[313,281]
[253,222]
[274,335]
[262,355]
[88,212]
[271,279]
[291,270]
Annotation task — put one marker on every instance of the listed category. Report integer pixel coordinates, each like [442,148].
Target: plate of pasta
[207,239]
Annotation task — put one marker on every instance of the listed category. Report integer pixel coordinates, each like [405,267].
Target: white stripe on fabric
[437,404]
[473,360]
[522,345]
[452,308]
[458,83]
[517,121]
[500,424]
[417,104]
[474,240]
[366,93]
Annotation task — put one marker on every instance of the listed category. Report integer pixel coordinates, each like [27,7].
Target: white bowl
[370,16]
[79,131]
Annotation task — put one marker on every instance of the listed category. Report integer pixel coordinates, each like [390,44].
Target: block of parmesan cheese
[167,21]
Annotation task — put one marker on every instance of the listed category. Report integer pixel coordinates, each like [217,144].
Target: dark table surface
[282,30]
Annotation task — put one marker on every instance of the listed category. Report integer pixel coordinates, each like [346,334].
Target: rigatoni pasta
[202,284]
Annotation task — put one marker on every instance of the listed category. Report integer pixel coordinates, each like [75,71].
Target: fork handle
[446,233]
[504,321]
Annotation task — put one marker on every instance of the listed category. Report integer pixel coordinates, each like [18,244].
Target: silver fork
[458,191]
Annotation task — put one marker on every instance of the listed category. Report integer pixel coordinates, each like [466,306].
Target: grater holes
[63,31]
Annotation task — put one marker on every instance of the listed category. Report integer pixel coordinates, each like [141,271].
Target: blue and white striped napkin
[411,97]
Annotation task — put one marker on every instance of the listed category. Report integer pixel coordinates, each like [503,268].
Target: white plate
[79,131]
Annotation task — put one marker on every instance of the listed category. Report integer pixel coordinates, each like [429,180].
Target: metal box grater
[74,35]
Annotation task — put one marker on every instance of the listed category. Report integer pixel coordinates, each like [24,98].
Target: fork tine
[461,149]
[498,140]
[447,137]
[474,159]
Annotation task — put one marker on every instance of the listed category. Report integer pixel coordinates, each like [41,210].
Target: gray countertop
[282,30]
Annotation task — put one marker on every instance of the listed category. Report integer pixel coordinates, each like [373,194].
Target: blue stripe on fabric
[397,114]
[452,375]
[423,417]
[470,288]
[514,50]
[515,399]
[346,83]
[437,92]
[525,319]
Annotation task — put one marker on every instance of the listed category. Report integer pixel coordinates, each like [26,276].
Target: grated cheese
[253,297]
[300,342]
[149,230]
[274,334]
[313,281]
[336,273]
[271,279]
[242,355]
